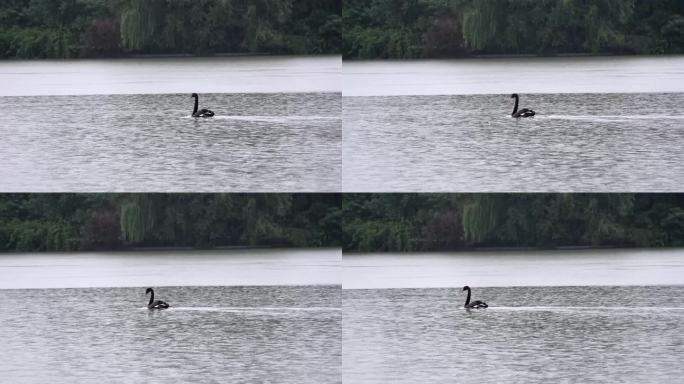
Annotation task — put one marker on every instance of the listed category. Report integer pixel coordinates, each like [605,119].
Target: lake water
[125,125]
[527,335]
[240,315]
[602,124]
[514,268]
[280,334]
[230,267]
[574,316]
[267,142]
[577,142]
[246,74]
[606,74]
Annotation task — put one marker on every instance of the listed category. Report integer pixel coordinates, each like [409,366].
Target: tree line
[398,29]
[393,222]
[72,222]
[442,222]
[110,28]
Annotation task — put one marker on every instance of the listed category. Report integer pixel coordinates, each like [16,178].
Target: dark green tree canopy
[67,222]
[108,28]
[431,222]
[450,28]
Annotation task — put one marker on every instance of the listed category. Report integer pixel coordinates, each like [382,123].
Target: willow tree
[140,20]
[480,23]
[263,20]
[138,216]
[481,215]
[261,216]
[604,22]
[606,217]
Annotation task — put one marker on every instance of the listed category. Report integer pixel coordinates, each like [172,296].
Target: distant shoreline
[174,249]
[515,56]
[513,249]
[173,56]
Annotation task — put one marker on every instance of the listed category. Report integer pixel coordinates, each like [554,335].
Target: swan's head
[194,95]
[513,96]
[466,288]
[148,290]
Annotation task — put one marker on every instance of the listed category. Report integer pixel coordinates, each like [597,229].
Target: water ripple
[576,143]
[255,143]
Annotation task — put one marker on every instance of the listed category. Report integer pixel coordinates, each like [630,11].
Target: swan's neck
[197,102]
[468,298]
[515,108]
[152,298]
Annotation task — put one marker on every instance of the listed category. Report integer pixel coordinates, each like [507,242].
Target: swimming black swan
[475,304]
[201,112]
[155,304]
[521,113]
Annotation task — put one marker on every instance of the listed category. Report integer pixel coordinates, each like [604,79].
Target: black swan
[475,304]
[155,304]
[521,113]
[201,112]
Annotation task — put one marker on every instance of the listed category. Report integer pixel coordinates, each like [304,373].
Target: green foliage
[433,28]
[391,222]
[66,222]
[109,28]
[422,222]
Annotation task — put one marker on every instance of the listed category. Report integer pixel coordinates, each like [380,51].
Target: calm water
[529,334]
[317,266]
[607,74]
[210,334]
[577,142]
[262,74]
[514,268]
[256,142]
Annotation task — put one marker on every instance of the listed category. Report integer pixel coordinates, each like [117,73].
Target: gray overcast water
[527,335]
[605,142]
[260,315]
[248,74]
[514,268]
[581,74]
[320,266]
[209,335]
[266,142]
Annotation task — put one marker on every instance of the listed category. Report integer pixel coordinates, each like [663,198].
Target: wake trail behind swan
[272,119]
[256,310]
[610,118]
[601,308]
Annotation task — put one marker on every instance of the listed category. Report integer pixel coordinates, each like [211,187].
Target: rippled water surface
[210,334]
[528,334]
[148,142]
[577,142]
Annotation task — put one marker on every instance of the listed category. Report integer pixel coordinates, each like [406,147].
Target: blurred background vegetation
[440,222]
[109,28]
[392,222]
[402,29]
[72,222]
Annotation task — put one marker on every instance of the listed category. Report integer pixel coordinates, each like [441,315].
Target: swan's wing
[206,112]
[160,304]
[479,304]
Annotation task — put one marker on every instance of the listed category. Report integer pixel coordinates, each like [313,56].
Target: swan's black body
[155,304]
[523,112]
[475,304]
[201,112]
